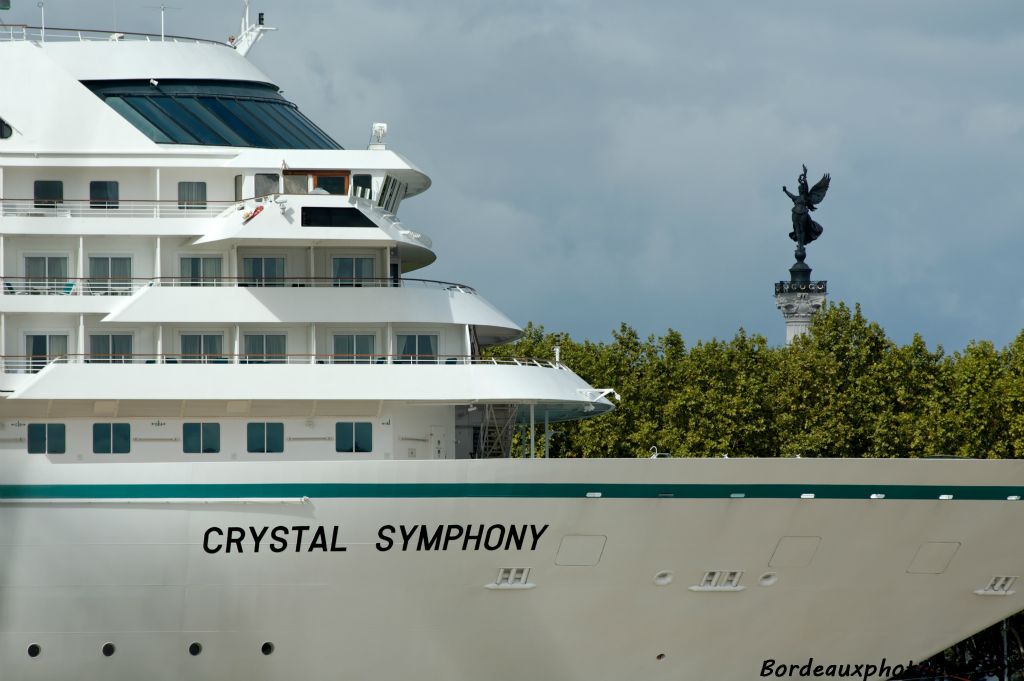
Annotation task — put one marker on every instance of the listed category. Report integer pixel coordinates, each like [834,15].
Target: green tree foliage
[842,390]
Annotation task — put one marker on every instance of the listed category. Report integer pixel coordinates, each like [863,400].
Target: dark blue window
[200,438]
[265,437]
[212,112]
[46,438]
[353,437]
[111,438]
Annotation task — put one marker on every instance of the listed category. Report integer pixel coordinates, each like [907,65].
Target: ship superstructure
[240,437]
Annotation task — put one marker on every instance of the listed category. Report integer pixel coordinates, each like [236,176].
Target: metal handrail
[122,286]
[15,32]
[97,208]
[30,364]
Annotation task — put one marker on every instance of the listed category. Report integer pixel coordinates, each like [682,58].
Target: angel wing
[818,191]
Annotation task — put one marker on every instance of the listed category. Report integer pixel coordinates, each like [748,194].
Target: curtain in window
[343,348]
[121,347]
[198,271]
[275,348]
[263,271]
[99,349]
[406,348]
[364,349]
[58,345]
[43,348]
[191,348]
[427,347]
[191,195]
[264,349]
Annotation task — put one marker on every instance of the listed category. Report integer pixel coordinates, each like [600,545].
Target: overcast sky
[605,162]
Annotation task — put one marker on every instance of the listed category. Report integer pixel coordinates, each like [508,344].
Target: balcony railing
[123,286]
[96,208]
[19,32]
[30,364]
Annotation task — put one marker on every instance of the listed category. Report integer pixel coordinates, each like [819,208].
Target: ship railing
[95,208]
[31,364]
[23,32]
[125,286]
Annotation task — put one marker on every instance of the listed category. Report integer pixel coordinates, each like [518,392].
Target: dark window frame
[113,435]
[258,436]
[52,433]
[350,435]
[47,199]
[207,433]
[101,196]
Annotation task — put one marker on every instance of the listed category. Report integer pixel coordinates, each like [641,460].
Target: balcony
[44,208]
[114,286]
[31,364]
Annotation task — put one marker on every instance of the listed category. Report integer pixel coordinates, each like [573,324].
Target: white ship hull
[129,558]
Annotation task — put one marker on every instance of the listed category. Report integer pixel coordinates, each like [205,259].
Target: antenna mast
[250,33]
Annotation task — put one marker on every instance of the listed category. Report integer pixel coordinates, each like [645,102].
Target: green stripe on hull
[499,491]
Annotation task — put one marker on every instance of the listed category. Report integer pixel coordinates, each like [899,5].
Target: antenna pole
[42,20]
[163,11]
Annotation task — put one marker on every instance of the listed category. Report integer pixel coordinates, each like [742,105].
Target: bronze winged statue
[806,230]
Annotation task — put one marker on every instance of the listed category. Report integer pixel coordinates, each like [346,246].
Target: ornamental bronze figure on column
[806,230]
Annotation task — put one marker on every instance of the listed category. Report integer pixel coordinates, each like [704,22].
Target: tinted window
[103,194]
[200,438]
[212,112]
[5,130]
[111,438]
[48,193]
[353,437]
[265,437]
[315,216]
[46,438]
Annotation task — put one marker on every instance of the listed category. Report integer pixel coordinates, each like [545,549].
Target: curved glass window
[212,112]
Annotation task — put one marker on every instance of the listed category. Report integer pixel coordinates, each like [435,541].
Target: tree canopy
[844,389]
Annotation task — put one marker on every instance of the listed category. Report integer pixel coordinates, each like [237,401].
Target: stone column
[798,301]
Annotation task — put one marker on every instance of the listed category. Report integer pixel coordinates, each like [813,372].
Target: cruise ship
[241,437]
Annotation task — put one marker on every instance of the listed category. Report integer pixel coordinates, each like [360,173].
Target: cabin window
[201,270]
[354,437]
[265,438]
[417,349]
[110,275]
[46,438]
[263,271]
[202,348]
[103,194]
[350,271]
[239,179]
[320,216]
[48,193]
[331,183]
[200,438]
[5,130]
[110,348]
[353,348]
[362,186]
[111,438]
[265,348]
[44,348]
[47,274]
[191,195]
[267,184]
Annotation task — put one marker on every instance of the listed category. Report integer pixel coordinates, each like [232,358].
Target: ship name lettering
[497,537]
[276,540]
